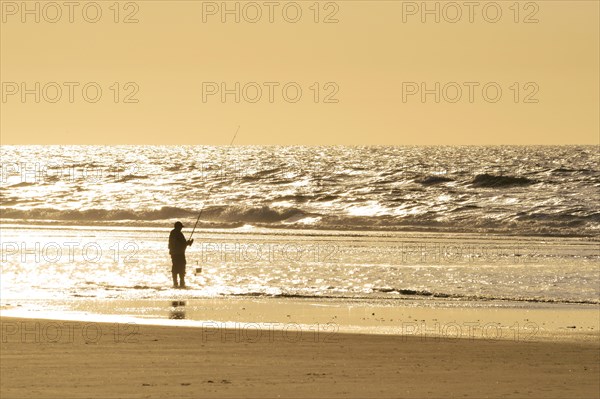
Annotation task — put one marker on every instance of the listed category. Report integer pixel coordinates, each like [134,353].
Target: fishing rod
[204,203]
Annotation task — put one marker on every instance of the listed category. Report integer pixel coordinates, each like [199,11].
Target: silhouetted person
[177,247]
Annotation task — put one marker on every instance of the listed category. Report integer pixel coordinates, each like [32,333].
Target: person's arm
[184,243]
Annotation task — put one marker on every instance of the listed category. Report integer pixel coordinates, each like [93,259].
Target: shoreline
[128,262]
[419,319]
[110,340]
[103,360]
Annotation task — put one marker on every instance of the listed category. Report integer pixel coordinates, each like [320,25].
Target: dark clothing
[179,263]
[181,279]
[177,247]
[177,242]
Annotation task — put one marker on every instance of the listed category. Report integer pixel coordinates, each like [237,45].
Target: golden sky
[361,78]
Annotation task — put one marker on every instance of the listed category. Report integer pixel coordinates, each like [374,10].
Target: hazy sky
[361,78]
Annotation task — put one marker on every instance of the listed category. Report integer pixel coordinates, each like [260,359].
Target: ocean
[473,226]
[542,190]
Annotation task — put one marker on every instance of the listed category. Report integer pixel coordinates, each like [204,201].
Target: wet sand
[492,320]
[59,359]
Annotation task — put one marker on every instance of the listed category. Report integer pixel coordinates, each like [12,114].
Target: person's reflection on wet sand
[177,310]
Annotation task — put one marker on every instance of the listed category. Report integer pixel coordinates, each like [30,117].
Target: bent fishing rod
[204,203]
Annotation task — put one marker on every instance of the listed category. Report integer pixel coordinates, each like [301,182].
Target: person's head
[178,225]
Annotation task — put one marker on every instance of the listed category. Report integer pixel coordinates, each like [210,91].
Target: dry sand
[58,359]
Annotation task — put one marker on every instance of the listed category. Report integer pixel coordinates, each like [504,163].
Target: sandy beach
[44,358]
[375,323]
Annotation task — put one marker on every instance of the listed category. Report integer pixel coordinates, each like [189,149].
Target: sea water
[472,225]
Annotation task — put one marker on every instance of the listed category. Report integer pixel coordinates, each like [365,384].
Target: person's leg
[174,270]
[182,271]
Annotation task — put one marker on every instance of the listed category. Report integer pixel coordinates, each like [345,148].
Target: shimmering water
[510,190]
[465,224]
[133,263]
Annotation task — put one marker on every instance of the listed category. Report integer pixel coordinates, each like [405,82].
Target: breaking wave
[507,190]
